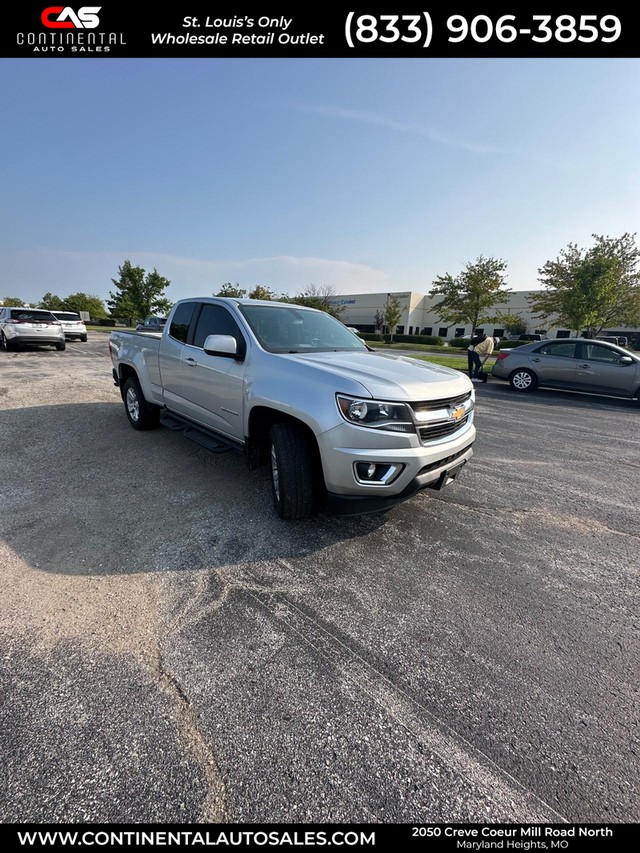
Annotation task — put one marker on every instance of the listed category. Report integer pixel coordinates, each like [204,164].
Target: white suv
[72,325]
[29,326]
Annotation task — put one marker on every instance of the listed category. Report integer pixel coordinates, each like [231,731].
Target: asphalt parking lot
[172,651]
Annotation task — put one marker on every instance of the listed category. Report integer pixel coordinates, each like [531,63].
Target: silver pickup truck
[337,423]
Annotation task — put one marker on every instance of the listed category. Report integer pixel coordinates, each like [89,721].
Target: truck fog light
[376,472]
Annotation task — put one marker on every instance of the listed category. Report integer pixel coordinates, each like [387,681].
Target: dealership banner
[595,28]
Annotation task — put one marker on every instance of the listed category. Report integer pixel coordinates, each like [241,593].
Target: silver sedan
[578,364]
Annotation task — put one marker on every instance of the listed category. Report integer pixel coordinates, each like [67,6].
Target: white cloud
[30,274]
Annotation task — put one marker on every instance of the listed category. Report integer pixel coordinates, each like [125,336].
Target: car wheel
[61,346]
[523,380]
[83,338]
[291,471]
[4,342]
[141,414]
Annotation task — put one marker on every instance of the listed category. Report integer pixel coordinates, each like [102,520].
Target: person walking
[479,349]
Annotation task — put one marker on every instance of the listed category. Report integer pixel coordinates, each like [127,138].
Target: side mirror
[225,345]
[625,359]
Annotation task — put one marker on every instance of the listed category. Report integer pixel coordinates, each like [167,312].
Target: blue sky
[366,175]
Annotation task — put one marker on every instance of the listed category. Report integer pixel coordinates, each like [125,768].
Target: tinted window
[35,316]
[567,350]
[216,320]
[179,328]
[596,352]
[66,315]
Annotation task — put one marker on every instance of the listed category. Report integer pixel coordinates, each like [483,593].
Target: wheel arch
[261,419]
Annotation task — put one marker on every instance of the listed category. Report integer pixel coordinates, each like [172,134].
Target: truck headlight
[376,414]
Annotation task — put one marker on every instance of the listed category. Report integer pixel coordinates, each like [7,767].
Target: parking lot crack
[213,808]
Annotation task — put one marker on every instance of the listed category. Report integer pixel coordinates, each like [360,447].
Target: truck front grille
[440,429]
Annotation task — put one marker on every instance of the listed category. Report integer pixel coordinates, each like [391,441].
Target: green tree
[467,298]
[392,315]
[51,302]
[322,297]
[12,302]
[262,292]
[138,295]
[590,289]
[233,290]
[513,323]
[85,302]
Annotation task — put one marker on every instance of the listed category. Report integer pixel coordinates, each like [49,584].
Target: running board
[210,441]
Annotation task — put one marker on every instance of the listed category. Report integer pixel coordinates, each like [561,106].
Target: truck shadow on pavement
[84,494]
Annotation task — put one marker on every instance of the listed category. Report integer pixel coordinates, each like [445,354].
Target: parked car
[72,325]
[577,364]
[532,337]
[152,324]
[619,340]
[19,326]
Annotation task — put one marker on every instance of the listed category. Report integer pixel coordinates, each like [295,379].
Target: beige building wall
[359,310]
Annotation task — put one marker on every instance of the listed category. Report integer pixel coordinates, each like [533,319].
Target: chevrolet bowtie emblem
[456,414]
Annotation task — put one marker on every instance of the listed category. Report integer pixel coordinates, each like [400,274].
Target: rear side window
[181,321]
[560,350]
[216,320]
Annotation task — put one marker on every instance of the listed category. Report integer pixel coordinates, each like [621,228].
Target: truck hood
[389,377]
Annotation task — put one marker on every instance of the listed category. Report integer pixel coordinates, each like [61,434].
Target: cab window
[216,320]
[181,321]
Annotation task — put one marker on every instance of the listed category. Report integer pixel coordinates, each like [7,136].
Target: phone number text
[418,29]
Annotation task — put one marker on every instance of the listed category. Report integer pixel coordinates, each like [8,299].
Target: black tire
[523,380]
[292,479]
[62,346]
[141,415]
[83,338]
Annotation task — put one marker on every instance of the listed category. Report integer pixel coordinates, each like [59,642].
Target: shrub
[461,343]
[432,340]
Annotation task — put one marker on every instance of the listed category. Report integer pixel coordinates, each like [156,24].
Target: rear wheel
[523,380]
[141,414]
[61,346]
[291,467]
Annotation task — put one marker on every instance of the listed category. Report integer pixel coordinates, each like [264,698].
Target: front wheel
[61,346]
[141,415]
[523,380]
[291,471]
[83,338]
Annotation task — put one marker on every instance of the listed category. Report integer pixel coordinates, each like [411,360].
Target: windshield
[284,329]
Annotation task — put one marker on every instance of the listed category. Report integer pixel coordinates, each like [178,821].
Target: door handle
[584,366]
[535,359]
[191,362]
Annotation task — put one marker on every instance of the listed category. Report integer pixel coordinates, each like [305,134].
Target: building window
[479,331]
[428,330]
[442,331]
[400,330]
[563,333]
[498,333]
[410,330]
[459,333]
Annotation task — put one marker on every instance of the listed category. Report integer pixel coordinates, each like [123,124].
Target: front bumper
[344,449]
[431,478]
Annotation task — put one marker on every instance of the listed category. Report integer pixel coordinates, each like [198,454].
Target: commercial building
[419,318]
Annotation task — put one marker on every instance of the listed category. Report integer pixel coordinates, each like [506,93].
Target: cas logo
[64,18]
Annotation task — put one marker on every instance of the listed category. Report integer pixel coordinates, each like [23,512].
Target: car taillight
[502,355]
